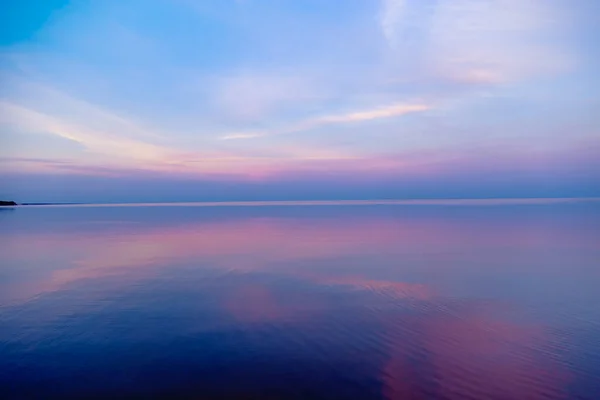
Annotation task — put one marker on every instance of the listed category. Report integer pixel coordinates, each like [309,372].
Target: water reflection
[365,302]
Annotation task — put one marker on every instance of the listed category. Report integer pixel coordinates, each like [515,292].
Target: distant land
[12,203]
[49,204]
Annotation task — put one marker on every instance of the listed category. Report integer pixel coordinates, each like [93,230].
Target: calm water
[301,302]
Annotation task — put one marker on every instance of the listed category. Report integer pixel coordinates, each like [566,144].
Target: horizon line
[259,203]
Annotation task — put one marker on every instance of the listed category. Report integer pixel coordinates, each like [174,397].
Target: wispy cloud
[389,111]
[96,141]
[31,94]
[394,110]
[111,141]
[476,42]
[253,96]
[391,15]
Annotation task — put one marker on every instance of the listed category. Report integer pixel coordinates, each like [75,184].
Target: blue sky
[239,99]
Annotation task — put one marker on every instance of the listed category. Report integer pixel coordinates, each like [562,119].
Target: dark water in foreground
[321,302]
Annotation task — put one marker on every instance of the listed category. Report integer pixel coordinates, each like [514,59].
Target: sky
[209,100]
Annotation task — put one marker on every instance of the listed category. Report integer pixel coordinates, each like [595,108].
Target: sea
[390,300]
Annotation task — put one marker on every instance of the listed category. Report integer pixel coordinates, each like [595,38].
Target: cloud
[29,93]
[109,143]
[390,18]
[112,143]
[492,41]
[393,110]
[35,108]
[389,111]
[501,37]
[250,97]
[96,141]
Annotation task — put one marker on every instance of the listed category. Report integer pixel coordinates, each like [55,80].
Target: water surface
[387,301]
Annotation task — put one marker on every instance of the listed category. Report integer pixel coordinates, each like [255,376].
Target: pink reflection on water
[398,290]
[466,349]
[263,244]
[242,246]
[473,355]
